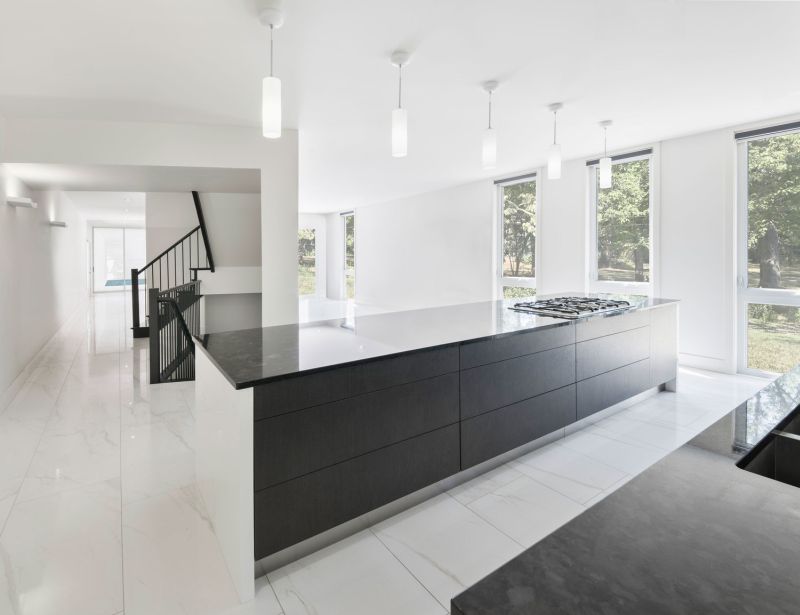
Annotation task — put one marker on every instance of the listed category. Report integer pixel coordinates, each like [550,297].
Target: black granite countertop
[694,534]
[255,356]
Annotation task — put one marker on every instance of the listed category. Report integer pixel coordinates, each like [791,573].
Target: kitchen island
[305,431]
[701,531]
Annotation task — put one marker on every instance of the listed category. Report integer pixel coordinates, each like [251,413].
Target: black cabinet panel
[603,354]
[499,431]
[499,384]
[304,391]
[664,344]
[482,352]
[404,368]
[284,396]
[299,509]
[591,328]
[297,443]
[600,392]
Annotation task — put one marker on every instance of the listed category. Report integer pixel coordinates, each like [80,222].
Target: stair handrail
[203,230]
[169,249]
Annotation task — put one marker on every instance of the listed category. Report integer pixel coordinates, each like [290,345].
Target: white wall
[42,274]
[432,249]
[158,144]
[168,217]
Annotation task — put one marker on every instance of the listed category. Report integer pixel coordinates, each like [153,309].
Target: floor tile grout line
[484,519]
[425,587]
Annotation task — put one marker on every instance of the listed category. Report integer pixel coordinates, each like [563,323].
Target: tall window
[517,275]
[307,261]
[621,230]
[349,255]
[769,249]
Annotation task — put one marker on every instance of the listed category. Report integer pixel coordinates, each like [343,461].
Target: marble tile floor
[99,513]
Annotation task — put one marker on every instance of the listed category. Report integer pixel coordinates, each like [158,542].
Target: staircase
[172,307]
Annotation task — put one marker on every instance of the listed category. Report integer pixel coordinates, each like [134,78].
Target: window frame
[745,294]
[520,282]
[593,284]
[344,215]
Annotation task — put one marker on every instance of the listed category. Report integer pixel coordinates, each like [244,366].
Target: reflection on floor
[99,513]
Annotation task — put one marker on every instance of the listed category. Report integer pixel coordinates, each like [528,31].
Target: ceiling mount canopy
[271,16]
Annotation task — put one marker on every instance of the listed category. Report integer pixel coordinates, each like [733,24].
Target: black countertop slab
[693,534]
[256,356]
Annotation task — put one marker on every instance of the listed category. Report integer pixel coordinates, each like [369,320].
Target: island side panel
[224,464]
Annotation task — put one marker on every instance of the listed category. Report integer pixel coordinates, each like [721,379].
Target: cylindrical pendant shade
[271,107]
[605,172]
[554,162]
[489,148]
[399,133]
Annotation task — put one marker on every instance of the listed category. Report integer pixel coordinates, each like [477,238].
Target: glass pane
[518,292]
[350,256]
[519,230]
[623,224]
[307,261]
[108,260]
[773,337]
[773,212]
[135,250]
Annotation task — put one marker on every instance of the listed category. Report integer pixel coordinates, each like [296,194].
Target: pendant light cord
[399,86]
[490,109]
[605,141]
[555,123]
[271,50]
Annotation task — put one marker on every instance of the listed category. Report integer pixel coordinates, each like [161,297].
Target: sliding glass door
[769,250]
[115,251]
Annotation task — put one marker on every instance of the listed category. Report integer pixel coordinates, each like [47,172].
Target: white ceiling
[658,68]
[127,207]
[111,178]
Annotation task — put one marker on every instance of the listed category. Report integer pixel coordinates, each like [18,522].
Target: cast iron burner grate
[571,307]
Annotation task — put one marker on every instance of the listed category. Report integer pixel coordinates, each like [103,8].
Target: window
[349,255]
[307,261]
[517,270]
[621,225]
[769,249]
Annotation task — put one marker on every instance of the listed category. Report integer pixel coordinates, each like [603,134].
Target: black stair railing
[174,322]
[175,266]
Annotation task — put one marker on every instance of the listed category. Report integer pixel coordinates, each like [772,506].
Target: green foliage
[518,292]
[519,229]
[773,337]
[307,260]
[773,188]
[350,255]
[623,223]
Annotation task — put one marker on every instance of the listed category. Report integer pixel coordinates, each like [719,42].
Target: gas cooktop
[571,307]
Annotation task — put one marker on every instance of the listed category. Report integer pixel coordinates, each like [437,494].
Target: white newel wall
[224,454]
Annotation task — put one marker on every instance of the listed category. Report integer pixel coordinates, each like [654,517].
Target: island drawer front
[299,392]
[591,328]
[297,443]
[664,344]
[299,509]
[514,345]
[603,354]
[493,433]
[493,386]
[600,392]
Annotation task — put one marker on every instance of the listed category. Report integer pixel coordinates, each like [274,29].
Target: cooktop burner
[571,307]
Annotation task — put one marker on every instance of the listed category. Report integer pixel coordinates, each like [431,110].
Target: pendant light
[489,151]
[399,116]
[605,161]
[271,113]
[554,153]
